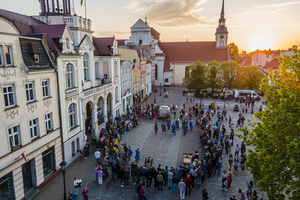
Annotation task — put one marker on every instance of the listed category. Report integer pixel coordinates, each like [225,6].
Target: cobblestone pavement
[164,149]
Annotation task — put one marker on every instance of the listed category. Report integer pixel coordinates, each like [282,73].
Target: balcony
[78,22]
[116,79]
[71,92]
[97,90]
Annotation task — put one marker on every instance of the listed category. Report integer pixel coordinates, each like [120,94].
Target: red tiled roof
[191,52]
[22,22]
[51,32]
[121,42]
[102,45]
[246,60]
[274,64]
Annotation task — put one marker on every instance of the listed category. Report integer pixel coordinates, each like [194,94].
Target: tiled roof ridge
[21,15]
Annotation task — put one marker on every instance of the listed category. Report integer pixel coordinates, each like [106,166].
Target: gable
[140,24]
[86,43]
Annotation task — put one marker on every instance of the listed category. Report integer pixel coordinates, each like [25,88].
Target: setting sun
[261,42]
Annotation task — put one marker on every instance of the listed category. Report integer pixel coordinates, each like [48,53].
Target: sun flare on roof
[261,42]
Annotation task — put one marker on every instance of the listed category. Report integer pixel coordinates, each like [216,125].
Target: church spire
[222,33]
[222,12]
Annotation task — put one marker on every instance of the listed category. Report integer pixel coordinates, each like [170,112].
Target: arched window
[68,43]
[221,43]
[70,76]
[186,71]
[116,94]
[116,68]
[86,66]
[97,74]
[72,115]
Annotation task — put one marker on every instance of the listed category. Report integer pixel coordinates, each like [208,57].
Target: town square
[149,100]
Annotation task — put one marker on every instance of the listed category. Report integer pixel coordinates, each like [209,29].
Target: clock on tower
[221,32]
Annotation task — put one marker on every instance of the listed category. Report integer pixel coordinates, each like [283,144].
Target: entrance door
[27,178]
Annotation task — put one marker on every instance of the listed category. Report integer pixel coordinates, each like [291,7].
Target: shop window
[48,161]
[7,187]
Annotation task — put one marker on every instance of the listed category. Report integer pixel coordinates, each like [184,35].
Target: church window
[221,43]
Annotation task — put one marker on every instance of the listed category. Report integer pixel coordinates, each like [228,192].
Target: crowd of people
[214,137]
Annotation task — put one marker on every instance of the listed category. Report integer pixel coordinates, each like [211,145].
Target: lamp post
[160,89]
[155,95]
[252,105]
[63,165]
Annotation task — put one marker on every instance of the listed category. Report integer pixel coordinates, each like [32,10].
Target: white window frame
[1,56]
[7,95]
[46,88]
[36,58]
[70,75]
[28,89]
[11,134]
[48,121]
[116,93]
[97,74]
[34,129]
[10,55]
[86,67]
[115,68]
[72,115]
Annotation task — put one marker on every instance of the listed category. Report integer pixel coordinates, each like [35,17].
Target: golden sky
[255,24]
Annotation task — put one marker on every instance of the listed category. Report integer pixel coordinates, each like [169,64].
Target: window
[70,76]
[155,71]
[221,43]
[166,80]
[33,126]
[9,96]
[29,92]
[8,55]
[7,187]
[72,116]
[45,86]
[1,58]
[86,66]
[48,161]
[97,74]
[116,94]
[80,23]
[77,144]
[36,58]
[48,121]
[116,68]
[68,43]
[73,148]
[14,137]
[140,41]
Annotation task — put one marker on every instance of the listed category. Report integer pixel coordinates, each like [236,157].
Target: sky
[255,24]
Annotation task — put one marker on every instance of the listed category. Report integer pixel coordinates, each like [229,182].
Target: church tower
[221,33]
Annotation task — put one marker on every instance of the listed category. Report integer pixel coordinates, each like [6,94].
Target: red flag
[23,155]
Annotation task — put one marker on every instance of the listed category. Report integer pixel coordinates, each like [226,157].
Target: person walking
[160,180]
[230,160]
[129,152]
[96,172]
[188,183]
[229,177]
[137,155]
[85,193]
[224,177]
[176,181]
[174,128]
[73,196]
[97,155]
[170,177]
[182,188]
[242,195]
[219,165]
[77,184]
[237,150]
[100,175]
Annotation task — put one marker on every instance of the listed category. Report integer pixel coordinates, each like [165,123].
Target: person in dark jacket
[209,166]
[126,175]
[138,172]
[154,175]
[175,180]
[133,172]
[149,177]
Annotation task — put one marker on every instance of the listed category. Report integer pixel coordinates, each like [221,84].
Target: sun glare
[261,42]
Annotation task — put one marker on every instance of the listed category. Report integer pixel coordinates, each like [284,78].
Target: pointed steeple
[221,32]
[222,17]
[222,12]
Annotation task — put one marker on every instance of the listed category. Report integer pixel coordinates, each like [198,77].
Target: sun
[261,42]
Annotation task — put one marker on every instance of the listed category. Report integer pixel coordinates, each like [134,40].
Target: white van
[243,94]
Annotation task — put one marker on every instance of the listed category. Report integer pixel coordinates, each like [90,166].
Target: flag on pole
[23,155]
[81,2]
[116,145]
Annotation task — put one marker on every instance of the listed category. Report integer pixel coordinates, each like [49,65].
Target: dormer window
[36,58]
[68,43]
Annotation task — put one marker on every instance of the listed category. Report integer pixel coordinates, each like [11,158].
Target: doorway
[29,177]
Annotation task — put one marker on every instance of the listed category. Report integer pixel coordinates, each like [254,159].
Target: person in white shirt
[77,184]
[97,155]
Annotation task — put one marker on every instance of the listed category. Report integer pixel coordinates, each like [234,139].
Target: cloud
[132,5]
[278,5]
[172,13]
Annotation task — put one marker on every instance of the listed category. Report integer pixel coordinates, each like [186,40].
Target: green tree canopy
[196,76]
[229,73]
[234,52]
[214,75]
[251,77]
[275,159]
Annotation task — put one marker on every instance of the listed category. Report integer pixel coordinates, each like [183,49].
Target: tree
[252,76]
[234,52]
[196,76]
[229,73]
[214,76]
[274,159]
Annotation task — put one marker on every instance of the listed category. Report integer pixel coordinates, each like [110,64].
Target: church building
[173,58]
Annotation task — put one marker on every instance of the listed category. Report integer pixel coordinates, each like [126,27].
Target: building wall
[178,72]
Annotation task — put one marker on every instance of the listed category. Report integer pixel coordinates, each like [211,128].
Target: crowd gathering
[216,139]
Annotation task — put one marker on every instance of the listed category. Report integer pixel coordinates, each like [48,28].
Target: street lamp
[63,165]
[155,95]
[160,89]
[252,104]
